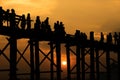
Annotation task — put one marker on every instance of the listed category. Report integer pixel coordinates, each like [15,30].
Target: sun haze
[64,63]
[35,7]
[86,15]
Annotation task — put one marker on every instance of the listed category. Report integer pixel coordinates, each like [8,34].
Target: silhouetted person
[59,30]
[115,37]
[62,29]
[48,29]
[37,24]
[1,16]
[46,21]
[38,20]
[28,21]
[119,35]
[56,29]
[77,36]
[47,25]
[109,38]
[83,37]
[77,33]
[42,27]
[7,16]
[23,22]
[55,26]
[118,40]
[12,19]
[101,37]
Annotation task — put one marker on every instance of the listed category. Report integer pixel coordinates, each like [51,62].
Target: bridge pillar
[108,59]
[31,60]
[119,64]
[68,61]
[97,64]
[92,72]
[37,70]
[108,64]
[78,61]
[83,62]
[118,58]
[13,57]
[58,56]
[52,61]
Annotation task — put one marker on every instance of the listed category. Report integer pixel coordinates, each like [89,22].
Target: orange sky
[86,15]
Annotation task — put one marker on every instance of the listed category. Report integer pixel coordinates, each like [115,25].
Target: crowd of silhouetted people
[15,21]
[24,23]
[9,16]
[80,36]
[111,38]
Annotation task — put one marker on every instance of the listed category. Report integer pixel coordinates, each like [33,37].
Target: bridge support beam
[52,61]
[119,62]
[37,70]
[83,62]
[78,61]
[68,61]
[118,57]
[31,60]
[92,72]
[13,57]
[108,64]
[97,65]
[58,56]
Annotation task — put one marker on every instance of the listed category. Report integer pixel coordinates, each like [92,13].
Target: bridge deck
[41,36]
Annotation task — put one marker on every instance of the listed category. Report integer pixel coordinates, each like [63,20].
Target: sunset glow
[64,63]
[85,15]
[54,41]
[36,7]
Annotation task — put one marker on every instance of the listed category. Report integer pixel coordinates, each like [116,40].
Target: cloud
[34,7]
[88,15]
[85,15]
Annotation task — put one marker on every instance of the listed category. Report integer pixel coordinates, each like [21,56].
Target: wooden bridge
[42,32]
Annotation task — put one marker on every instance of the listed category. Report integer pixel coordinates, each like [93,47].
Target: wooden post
[77,41]
[92,73]
[118,56]
[108,57]
[37,70]
[78,60]
[31,60]
[108,64]
[97,65]
[68,61]
[13,57]
[52,61]
[119,60]
[83,62]
[58,56]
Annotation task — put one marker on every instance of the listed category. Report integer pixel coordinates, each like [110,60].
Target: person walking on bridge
[28,21]
[1,16]
[23,22]
[12,19]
